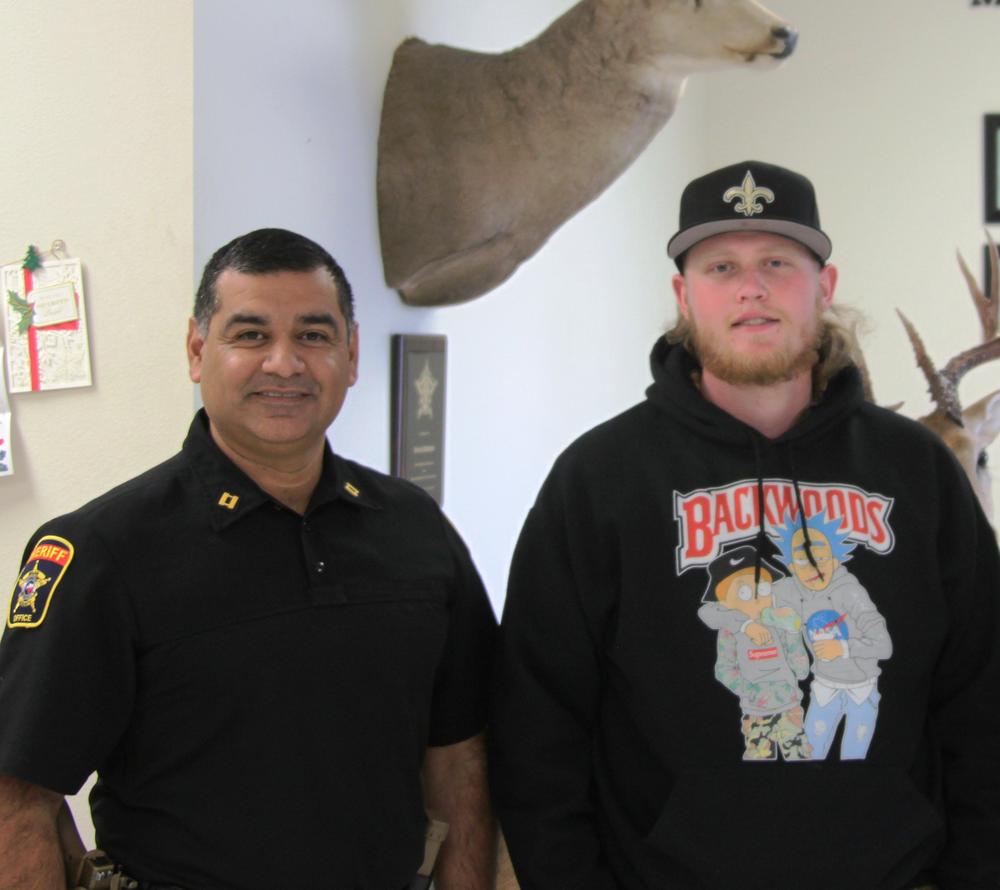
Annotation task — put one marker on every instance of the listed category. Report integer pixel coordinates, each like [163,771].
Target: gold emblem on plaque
[425,385]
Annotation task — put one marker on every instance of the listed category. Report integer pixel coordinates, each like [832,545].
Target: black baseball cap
[739,559]
[750,196]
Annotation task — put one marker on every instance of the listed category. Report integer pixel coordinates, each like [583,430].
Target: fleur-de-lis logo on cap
[749,195]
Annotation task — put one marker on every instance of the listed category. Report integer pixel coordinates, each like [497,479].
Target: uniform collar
[231,494]
[342,480]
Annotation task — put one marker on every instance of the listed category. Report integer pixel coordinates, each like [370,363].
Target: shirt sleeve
[546,698]
[461,686]
[964,713]
[67,670]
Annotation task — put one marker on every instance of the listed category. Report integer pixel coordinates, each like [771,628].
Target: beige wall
[97,150]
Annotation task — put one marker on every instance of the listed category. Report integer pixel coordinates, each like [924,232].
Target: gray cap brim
[812,238]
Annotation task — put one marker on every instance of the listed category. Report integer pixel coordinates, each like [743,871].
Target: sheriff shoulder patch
[38,581]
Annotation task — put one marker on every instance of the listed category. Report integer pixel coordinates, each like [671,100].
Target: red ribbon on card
[29,284]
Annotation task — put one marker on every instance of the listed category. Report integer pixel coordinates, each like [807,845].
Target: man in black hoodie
[618,761]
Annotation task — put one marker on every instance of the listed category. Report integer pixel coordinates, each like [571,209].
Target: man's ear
[680,292]
[827,284]
[195,346]
[354,351]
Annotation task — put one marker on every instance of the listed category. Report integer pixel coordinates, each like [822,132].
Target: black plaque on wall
[418,402]
[991,171]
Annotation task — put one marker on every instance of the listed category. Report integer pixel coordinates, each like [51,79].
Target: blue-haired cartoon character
[843,630]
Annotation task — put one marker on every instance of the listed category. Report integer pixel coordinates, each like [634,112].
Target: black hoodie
[644,739]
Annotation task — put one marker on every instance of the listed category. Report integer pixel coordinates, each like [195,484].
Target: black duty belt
[147,885]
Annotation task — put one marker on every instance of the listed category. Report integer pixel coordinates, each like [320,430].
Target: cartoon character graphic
[843,630]
[760,655]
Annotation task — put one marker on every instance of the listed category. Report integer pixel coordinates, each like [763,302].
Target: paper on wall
[46,326]
[6,461]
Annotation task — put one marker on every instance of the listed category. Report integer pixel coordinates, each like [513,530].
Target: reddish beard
[778,366]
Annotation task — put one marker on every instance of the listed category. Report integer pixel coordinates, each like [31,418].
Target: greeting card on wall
[46,324]
[6,461]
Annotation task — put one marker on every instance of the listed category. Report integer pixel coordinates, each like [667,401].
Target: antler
[986,306]
[943,391]
[943,384]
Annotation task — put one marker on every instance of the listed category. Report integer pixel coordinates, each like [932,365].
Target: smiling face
[754,301]
[274,364]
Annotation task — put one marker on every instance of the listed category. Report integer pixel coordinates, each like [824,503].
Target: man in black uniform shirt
[273,657]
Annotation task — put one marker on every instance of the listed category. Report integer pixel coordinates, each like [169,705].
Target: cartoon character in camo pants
[760,655]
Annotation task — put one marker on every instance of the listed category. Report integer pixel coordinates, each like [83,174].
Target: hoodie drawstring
[802,516]
[762,540]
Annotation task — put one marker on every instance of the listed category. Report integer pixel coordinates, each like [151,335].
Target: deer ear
[983,418]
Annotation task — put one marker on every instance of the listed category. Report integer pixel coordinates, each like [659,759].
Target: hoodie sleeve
[547,690]
[964,713]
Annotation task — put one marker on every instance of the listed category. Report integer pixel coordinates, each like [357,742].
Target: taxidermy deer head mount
[482,156]
[967,432]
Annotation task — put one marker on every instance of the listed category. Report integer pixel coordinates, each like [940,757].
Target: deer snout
[789,37]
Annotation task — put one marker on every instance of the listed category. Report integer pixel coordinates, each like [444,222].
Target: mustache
[298,382]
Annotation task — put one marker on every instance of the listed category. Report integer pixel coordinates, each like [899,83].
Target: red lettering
[763,654]
[859,521]
[697,519]
[710,519]
[836,506]
[812,502]
[745,518]
[51,552]
[877,534]
[779,500]
[723,516]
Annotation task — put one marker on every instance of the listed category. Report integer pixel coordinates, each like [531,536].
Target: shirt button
[306,527]
[321,567]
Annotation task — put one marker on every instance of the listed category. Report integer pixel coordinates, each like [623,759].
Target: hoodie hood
[673,391]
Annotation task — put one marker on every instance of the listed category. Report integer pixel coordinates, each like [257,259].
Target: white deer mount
[482,156]
[967,432]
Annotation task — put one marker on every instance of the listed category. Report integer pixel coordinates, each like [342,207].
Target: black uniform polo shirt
[255,688]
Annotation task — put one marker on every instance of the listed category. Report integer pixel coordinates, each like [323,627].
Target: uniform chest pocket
[386,592]
[398,610]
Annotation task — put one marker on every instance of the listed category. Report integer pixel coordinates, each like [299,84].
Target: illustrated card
[45,322]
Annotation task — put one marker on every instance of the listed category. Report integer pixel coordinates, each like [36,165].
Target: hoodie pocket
[824,827]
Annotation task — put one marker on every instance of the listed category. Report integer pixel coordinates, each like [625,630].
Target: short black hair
[269,250]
